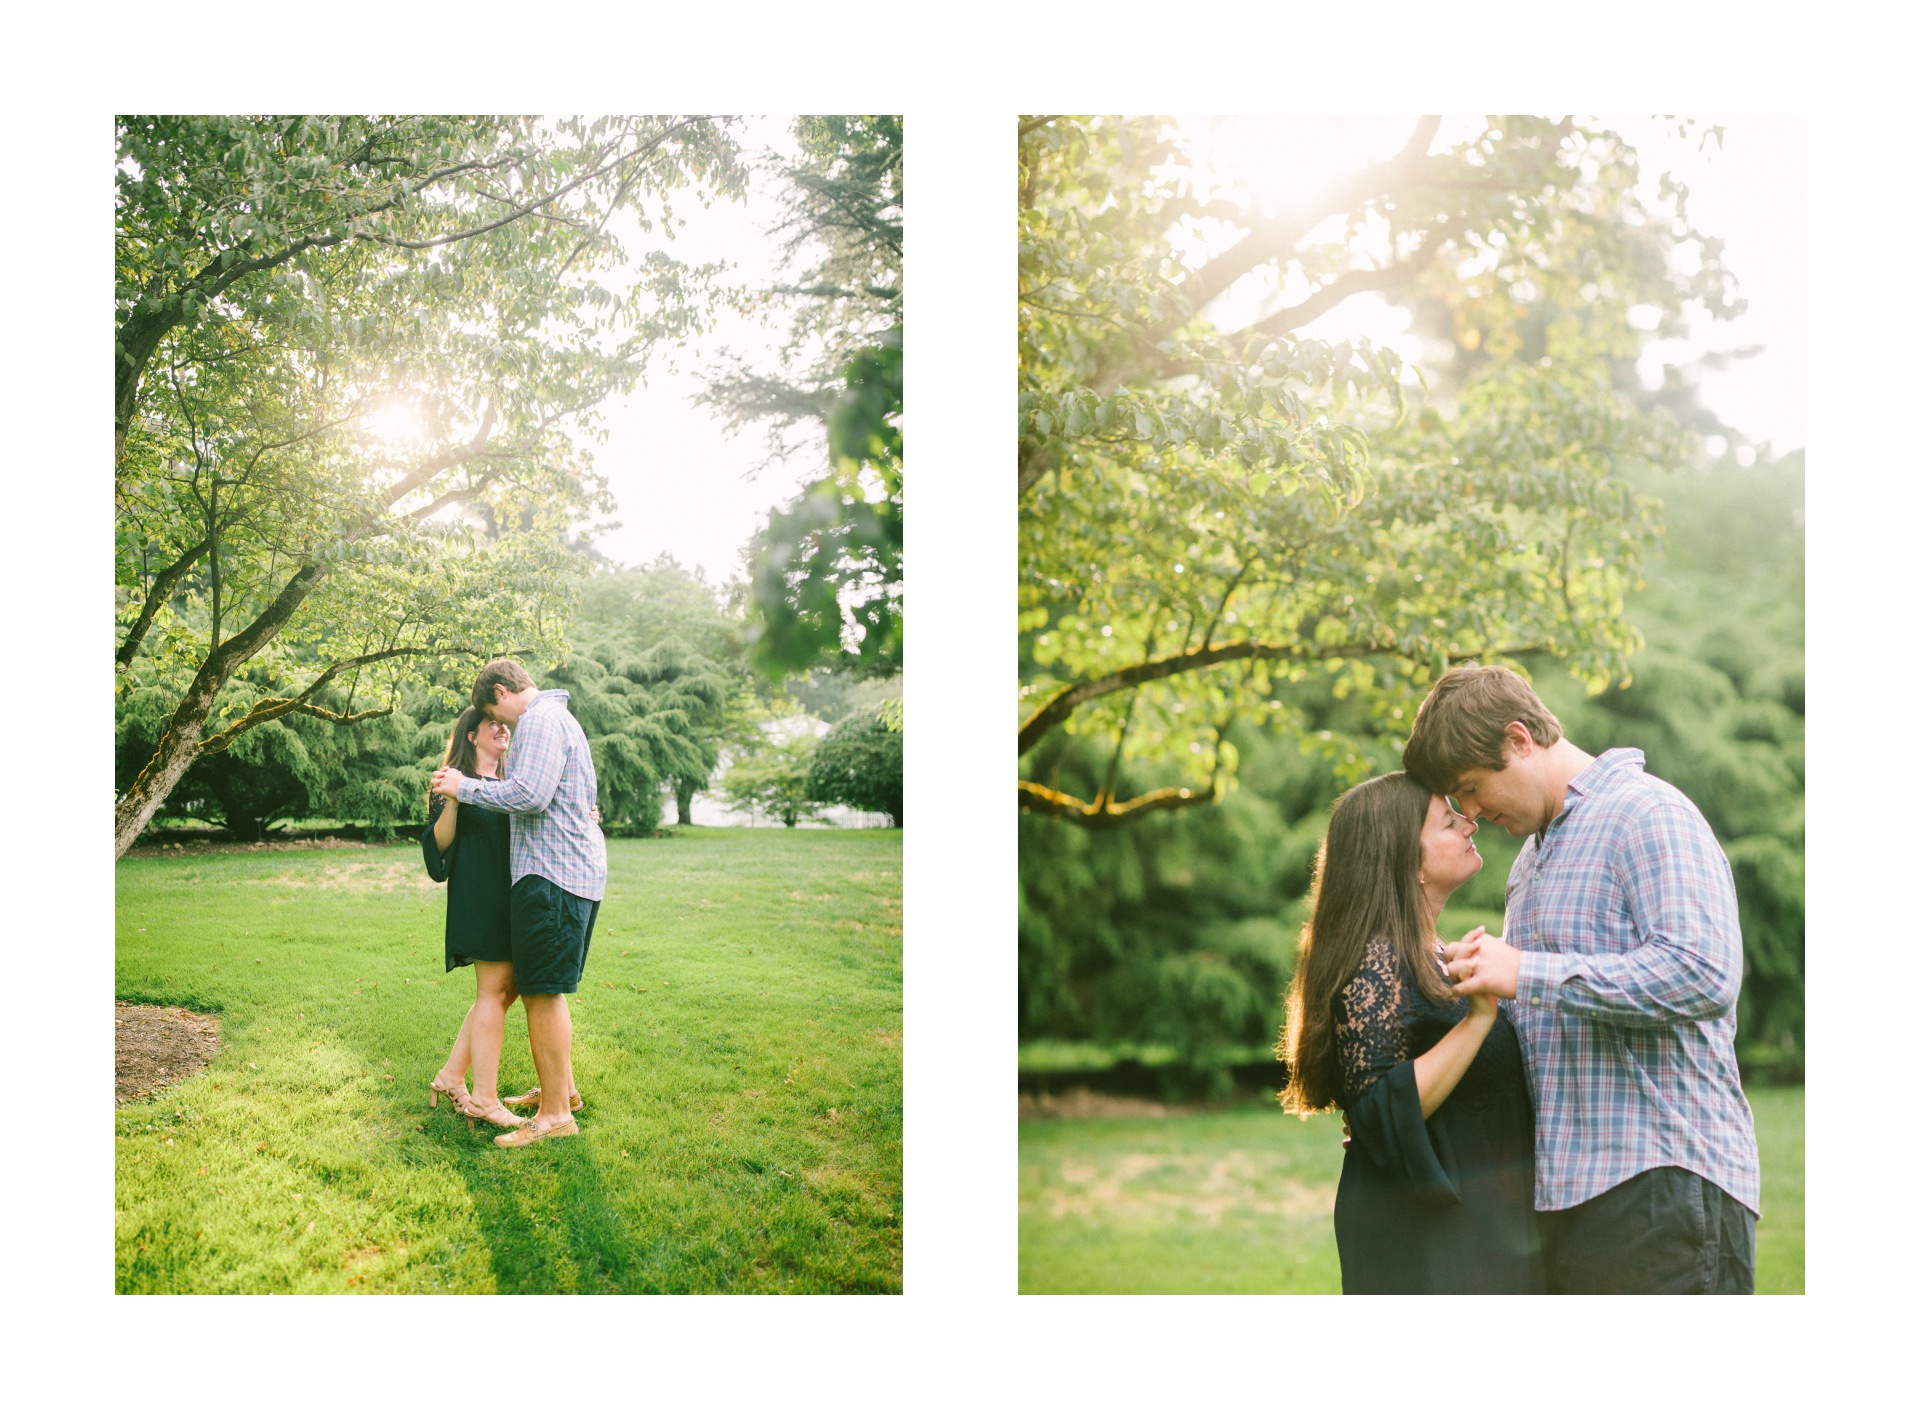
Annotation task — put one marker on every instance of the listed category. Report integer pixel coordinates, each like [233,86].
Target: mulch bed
[1080,1104]
[155,1047]
[201,847]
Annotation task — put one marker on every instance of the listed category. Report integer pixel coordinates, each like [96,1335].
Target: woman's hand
[1482,1005]
[1451,956]
[593,815]
[1482,963]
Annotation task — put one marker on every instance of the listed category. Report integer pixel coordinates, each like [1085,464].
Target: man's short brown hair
[498,673]
[1463,722]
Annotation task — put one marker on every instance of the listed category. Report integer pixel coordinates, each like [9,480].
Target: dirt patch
[1081,1104]
[154,1048]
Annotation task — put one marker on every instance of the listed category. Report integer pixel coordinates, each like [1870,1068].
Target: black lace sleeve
[1367,1031]
[1382,1097]
[439,865]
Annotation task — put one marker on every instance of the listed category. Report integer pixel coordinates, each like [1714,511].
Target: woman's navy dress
[1444,1204]
[478,882]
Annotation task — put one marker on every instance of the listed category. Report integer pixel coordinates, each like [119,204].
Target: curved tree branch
[1103,812]
[528,207]
[140,333]
[164,582]
[1354,281]
[1043,721]
[273,707]
[1049,716]
[1278,237]
[1271,240]
[425,472]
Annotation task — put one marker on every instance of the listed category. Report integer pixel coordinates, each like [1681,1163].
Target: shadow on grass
[737,1042]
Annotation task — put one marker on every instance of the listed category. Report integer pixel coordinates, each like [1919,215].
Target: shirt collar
[1596,776]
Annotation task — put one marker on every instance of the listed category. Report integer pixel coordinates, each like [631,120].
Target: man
[558,862]
[1622,960]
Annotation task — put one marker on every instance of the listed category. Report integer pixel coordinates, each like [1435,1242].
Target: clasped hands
[448,781]
[1479,963]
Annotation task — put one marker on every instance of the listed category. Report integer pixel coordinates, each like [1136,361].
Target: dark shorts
[551,928]
[1665,1230]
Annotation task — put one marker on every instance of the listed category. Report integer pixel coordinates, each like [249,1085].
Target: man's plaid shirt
[549,790]
[1624,912]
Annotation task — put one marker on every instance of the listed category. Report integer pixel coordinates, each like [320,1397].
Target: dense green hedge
[657,663]
[1180,928]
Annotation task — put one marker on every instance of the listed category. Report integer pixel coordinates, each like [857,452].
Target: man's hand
[448,781]
[1482,964]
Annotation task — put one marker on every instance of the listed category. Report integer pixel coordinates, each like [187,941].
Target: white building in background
[712,810]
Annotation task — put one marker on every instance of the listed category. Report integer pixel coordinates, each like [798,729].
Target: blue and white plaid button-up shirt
[1624,912]
[549,791]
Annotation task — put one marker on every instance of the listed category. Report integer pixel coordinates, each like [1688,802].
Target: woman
[1436,1193]
[467,849]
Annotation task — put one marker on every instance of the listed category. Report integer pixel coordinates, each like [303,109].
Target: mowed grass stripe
[1241,1201]
[737,1039]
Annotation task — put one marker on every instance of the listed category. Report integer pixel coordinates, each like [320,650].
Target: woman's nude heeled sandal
[495,1115]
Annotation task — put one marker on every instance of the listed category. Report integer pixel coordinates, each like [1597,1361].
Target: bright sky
[1751,194]
[684,486]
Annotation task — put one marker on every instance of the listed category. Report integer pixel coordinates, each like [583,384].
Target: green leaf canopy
[352,356]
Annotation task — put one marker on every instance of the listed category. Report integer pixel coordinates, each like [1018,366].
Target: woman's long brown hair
[1366,887]
[460,753]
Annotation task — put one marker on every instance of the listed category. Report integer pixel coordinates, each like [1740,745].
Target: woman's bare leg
[453,1072]
[494,994]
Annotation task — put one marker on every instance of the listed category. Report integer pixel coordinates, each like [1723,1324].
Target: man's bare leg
[550,1034]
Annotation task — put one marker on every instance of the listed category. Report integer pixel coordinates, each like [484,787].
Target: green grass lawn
[736,1038]
[1241,1201]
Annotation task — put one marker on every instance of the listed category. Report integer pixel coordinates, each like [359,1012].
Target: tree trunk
[683,791]
[246,829]
[181,743]
[242,809]
[179,747]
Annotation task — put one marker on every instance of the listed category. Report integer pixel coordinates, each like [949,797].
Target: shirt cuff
[469,790]
[1541,976]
